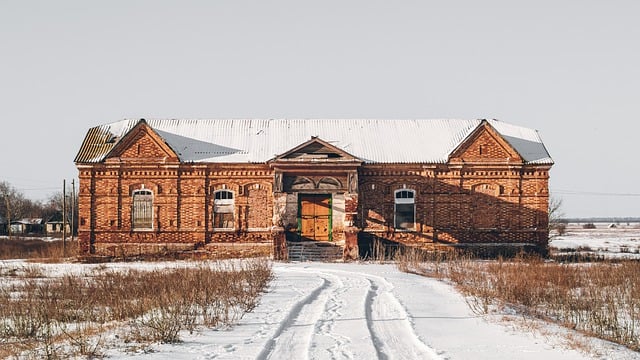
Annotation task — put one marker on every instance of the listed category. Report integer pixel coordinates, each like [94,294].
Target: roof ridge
[376,140]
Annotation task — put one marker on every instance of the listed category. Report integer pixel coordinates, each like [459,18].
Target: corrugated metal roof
[260,140]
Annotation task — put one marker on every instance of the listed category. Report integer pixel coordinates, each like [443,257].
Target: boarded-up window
[405,211]
[223,210]
[258,202]
[142,212]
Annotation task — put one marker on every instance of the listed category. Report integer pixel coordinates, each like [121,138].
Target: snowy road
[349,315]
[366,311]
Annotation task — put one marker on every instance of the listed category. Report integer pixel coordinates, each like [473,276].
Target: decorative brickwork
[485,193]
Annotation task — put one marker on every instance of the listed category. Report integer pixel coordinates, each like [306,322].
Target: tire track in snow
[296,310]
[389,324]
[391,330]
[325,337]
[368,304]
[308,329]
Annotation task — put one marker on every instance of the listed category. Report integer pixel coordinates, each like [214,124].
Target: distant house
[264,186]
[27,226]
[53,226]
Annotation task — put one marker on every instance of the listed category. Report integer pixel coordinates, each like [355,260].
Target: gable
[485,144]
[316,150]
[142,143]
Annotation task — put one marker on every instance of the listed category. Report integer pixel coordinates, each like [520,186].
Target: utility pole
[73,206]
[6,202]
[64,218]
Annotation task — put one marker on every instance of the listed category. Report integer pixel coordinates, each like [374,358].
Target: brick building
[247,186]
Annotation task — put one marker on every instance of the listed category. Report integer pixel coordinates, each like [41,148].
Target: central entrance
[314,217]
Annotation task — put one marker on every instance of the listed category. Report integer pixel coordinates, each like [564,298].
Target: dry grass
[58,317]
[30,248]
[600,299]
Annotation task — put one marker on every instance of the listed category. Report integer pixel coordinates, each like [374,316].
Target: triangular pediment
[316,149]
[142,143]
[485,144]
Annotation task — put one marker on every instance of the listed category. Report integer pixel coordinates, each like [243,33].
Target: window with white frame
[142,210]
[223,204]
[404,210]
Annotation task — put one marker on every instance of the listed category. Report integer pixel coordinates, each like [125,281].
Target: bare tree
[19,206]
[55,204]
[15,206]
[556,215]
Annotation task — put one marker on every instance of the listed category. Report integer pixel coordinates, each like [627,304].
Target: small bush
[598,298]
[560,228]
[589,226]
[39,315]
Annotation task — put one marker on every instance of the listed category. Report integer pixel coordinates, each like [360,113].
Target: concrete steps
[314,251]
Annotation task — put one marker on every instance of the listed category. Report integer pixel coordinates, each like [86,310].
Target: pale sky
[570,69]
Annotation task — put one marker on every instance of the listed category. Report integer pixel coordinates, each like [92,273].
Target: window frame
[148,200]
[404,201]
[226,202]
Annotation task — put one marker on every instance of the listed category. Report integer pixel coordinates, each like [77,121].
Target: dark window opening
[405,211]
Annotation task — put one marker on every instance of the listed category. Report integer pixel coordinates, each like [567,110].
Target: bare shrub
[560,228]
[602,298]
[161,324]
[39,315]
[425,261]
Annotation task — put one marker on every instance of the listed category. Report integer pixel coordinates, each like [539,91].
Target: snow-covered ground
[621,241]
[374,311]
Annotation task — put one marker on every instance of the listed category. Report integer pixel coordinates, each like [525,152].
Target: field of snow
[373,311]
[621,241]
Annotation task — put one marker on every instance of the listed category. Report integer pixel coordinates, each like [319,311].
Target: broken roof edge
[316,139]
[88,154]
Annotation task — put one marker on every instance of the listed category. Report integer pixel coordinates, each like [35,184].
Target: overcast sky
[570,69]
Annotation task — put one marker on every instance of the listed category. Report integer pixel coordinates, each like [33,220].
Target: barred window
[404,210]
[223,207]
[142,212]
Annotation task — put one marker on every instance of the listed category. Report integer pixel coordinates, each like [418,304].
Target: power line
[33,189]
[591,193]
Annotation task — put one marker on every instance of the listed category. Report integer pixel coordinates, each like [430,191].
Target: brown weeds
[58,317]
[29,248]
[601,299]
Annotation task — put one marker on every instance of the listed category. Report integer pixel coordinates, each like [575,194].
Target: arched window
[142,211]
[223,210]
[329,183]
[404,210]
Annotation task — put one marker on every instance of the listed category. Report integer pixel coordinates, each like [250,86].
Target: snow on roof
[28,221]
[260,140]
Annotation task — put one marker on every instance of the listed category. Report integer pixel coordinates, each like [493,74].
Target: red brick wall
[485,194]
[183,203]
[471,204]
